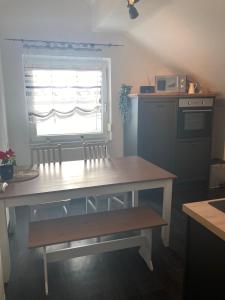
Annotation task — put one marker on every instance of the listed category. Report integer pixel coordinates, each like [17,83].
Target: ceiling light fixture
[132,9]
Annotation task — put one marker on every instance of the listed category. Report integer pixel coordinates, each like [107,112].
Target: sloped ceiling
[187,35]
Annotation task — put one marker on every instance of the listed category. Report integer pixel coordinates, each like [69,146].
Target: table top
[208,216]
[73,175]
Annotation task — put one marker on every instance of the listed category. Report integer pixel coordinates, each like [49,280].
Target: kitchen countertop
[172,95]
[208,216]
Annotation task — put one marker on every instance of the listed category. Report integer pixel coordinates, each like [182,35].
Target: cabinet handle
[196,110]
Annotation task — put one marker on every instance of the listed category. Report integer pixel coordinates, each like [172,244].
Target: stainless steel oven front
[195,117]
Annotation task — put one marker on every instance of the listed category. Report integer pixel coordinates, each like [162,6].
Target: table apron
[90,191]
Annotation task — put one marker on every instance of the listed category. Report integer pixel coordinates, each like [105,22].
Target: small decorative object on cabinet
[8,161]
[124,105]
[147,89]
[192,88]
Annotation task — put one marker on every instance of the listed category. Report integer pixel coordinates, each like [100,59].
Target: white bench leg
[86,202]
[146,250]
[134,198]
[2,291]
[45,270]
[109,204]
[98,209]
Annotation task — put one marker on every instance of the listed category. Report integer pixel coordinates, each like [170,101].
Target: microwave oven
[171,84]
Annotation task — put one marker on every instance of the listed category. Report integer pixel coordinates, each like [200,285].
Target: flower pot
[6,172]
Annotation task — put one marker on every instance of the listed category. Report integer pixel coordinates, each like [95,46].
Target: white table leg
[2,291]
[45,270]
[134,198]
[4,243]
[166,211]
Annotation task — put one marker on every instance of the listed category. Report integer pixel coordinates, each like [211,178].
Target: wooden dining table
[75,179]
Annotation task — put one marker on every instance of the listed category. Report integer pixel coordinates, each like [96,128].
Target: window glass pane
[71,100]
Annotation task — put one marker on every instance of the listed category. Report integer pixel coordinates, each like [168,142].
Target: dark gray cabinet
[192,159]
[150,131]
[205,264]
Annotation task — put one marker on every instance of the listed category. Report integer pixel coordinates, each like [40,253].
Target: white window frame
[106,71]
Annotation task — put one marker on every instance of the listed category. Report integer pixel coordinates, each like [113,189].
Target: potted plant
[124,104]
[7,162]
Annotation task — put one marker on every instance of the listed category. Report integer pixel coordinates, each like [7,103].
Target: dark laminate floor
[119,275]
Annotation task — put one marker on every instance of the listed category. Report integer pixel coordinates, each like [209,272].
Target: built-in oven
[195,117]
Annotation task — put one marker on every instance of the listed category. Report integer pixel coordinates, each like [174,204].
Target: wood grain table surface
[73,175]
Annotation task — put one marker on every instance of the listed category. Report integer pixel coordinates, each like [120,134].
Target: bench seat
[75,228]
[82,227]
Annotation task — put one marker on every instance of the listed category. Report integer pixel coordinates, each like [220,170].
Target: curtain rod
[81,44]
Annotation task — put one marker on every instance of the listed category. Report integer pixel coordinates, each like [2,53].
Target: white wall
[130,64]
[3,127]
[3,140]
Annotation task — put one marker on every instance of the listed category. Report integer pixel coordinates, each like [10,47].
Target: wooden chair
[95,151]
[46,155]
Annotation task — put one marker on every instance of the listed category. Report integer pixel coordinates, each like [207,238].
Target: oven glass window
[194,121]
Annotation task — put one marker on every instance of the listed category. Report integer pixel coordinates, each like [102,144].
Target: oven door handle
[196,110]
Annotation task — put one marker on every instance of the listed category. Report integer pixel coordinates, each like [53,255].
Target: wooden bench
[76,228]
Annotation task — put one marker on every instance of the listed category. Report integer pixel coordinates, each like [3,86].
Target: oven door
[194,122]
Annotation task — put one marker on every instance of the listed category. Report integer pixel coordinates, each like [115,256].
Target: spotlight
[133,12]
[132,9]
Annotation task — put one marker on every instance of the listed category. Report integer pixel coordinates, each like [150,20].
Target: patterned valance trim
[61,114]
[77,46]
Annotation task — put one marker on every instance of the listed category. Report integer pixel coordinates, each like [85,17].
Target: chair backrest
[95,150]
[46,154]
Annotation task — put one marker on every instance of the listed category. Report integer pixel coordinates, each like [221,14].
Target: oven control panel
[196,102]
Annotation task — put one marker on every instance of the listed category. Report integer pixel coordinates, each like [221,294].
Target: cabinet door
[157,132]
[205,264]
[130,134]
[192,159]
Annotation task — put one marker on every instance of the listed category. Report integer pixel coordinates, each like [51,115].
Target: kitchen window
[67,97]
